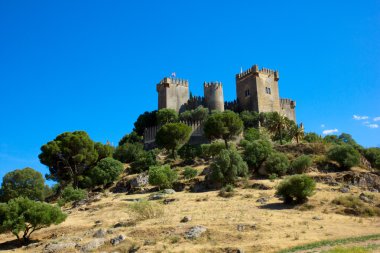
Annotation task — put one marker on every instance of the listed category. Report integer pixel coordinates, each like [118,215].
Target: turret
[173,93]
[213,93]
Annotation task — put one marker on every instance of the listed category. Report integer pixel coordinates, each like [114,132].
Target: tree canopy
[173,136]
[166,115]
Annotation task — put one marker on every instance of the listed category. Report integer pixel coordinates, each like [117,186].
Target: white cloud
[323,125]
[357,117]
[330,131]
[373,125]
[376,119]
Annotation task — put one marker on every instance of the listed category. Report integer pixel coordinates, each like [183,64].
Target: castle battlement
[255,71]
[215,85]
[287,102]
[176,81]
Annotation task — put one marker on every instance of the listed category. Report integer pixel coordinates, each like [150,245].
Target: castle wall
[172,93]
[213,94]
[288,108]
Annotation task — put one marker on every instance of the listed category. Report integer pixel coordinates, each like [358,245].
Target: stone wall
[173,93]
[288,108]
[213,94]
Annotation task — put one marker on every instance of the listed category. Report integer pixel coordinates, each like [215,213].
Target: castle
[256,89]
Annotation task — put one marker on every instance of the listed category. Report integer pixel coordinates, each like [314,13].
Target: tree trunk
[226,142]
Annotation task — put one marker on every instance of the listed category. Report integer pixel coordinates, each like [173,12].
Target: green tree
[129,152]
[22,215]
[143,162]
[276,163]
[68,156]
[162,176]
[296,188]
[345,155]
[277,124]
[132,138]
[199,114]
[301,164]
[213,149]
[70,194]
[373,156]
[106,171]
[227,166]
[296,132]
[173,136]
[23,183]
[332,138]
[250,119]
[251,134]
[145,120]
[166,115]
[312,137]
[104,150]
[256,152]
[223,125]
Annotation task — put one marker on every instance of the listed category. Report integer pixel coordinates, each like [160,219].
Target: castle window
[247,93]
[267,90]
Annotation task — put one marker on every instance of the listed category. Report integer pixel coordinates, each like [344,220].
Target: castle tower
[213,93]
[257,90]
[288,108]
[173,93]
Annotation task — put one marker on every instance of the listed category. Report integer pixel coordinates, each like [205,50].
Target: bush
[373,156]
[27,183]
[22,215]
[144,210]
[146,160]
[345,155]
[70,194]
[252,134]
[256,152]
[296,188]
[106,171]
[189,173]
[227,166]
[166,115]
[276,163]
[104,150]
[213,149]
[312,138]
[189,152]
[129,152]
[301,164]
[356,206]
[162,176]
[131,138]
[227,192]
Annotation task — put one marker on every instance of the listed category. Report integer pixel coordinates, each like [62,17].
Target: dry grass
[267,227]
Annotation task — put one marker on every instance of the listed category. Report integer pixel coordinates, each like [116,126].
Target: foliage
[189,173]
[189,152]
[143,162]
[166,115]
[301,164]
[22,215]
[104,150]
[250,119]
[296,132]
[173,136]
[23,183]
[373,156]
[312,137]
[276,163]
[106,171]
[345,155]
[132,137]
[145,120]
[198,114]
[129,152]
[144,210]
[356,206]
[256,152]
[277,124]
[213,149]
[68,156]
[348,250]
[347,139]
[296,188]
[227,166]
[227,191]
[251,134]
[70,194]
[162,176]
[223,125]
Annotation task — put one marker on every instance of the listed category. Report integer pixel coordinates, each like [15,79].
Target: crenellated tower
[173,93]
[257,90]
[213,94]
[288,108]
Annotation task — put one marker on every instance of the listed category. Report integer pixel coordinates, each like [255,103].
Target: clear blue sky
[93,65]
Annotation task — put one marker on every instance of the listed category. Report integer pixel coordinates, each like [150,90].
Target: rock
[233,250]
[205,171]
[240,227]
[118,239]
[262,200]
[195,232]
[33,245]
[124,224]
[168,191]
[139,181]
[186,219]
[133,249]
[59,247]
[261,186]
[98,222]
[93,245]
[365,180]
[167,201]
[179,186]
[364,198]
[156,196]
[344,189]
[317,218]
[79,203]
[101,233]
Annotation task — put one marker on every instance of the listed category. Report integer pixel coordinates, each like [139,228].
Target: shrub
[189,173]
[355,206]
[373,156]
[70,194]
[256,152]
[166,115]
[252,134]
[162,176]
[213,149]
[129,152]
[146,160]
[22,183]
[106,171]
[133,137]
[276,163]
[104,150]
[227,192]
[227,166]
[144,210]
[345,155]
[189,152]
[296,188]
[312,137]
[22,215]
[301,164]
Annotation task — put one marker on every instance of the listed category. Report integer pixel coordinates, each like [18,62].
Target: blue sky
[93,65]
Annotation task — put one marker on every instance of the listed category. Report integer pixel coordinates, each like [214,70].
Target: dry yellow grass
[268,228]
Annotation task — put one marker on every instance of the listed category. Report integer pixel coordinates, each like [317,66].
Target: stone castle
[256,89]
